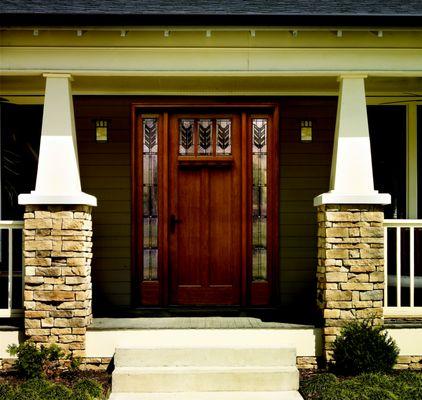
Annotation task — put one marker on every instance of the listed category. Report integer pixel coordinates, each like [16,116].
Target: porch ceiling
[259,84]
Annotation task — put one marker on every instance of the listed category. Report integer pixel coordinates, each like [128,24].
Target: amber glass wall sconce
[101,134]
[306,131]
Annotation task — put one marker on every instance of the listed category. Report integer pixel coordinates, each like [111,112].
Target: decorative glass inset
[205,137]
[259,198]
[150,198]
[186,134]
[224,133]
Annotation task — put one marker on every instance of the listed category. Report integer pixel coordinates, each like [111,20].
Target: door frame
[156,293]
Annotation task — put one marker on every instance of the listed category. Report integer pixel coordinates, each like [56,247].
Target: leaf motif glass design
[205,137]
[259,198]
[224,137]
[186,133]
[150,198]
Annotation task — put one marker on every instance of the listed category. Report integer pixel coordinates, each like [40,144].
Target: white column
[352,179]
[58,179]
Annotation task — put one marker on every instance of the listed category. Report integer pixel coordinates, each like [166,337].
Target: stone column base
[57,258]
[350,272]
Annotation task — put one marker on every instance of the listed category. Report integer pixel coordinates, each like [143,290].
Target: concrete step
[204,379]
[205,356]
[285,395]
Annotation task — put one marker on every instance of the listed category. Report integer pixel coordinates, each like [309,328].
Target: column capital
[58,75]
[351,76]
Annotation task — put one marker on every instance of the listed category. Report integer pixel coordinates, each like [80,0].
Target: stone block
[39,245]
[342,216]
[338,295]
[48,271]
[372,253]
[331,314]
[372,231]
[356,286]
[372,216]
[336,276]
[372,295]
[38,223]
[337,253]
[73,246]
[38,261]
[376,277]
[337,232]
[55,295]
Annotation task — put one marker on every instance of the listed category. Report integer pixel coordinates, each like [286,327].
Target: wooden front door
[205,209]
[205,205]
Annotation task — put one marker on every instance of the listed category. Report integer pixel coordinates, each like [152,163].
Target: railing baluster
[8,309]
[412,266]
[411,309]
[10,276]
[398,265]
[385,267]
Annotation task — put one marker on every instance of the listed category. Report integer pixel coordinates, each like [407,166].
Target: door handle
[173,222]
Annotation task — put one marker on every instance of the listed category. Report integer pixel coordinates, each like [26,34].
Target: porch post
[58,231]
[350,276]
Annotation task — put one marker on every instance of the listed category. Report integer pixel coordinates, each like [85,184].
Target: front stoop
[206,373]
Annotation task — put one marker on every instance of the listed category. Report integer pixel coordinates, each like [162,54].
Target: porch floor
[100,324]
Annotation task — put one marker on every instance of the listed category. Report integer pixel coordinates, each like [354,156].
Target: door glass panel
[224,137]
[259,198]
[387,131]
[150,198]
[205,137]
[186,134]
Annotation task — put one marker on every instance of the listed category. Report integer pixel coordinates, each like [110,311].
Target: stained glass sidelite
[150,198]
[259,198]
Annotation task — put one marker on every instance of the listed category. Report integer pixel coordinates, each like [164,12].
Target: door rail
[402,268]
[11,267]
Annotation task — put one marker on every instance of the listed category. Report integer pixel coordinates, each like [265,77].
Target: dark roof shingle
[177,12]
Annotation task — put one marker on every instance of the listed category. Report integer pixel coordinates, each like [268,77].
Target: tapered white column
[352,179]
[58,179]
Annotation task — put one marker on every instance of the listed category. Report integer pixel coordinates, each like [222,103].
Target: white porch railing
[402,268]
[10,269]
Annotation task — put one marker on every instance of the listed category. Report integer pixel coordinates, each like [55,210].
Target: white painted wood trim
[398,266]
[405,223]
[58,180]
[412,162]
[402,312]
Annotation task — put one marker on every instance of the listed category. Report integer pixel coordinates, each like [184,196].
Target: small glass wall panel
[259,198]
[205,137]
[224,134]
[150,198]
[186,137]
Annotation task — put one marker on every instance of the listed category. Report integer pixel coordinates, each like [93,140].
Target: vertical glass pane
[205,137]
[186,132]
[259,198]
[150,198]
[224,141]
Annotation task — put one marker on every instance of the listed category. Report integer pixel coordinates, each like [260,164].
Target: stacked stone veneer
[350,275]
[57,257]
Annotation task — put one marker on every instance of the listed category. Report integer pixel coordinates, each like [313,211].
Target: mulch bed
[66,378]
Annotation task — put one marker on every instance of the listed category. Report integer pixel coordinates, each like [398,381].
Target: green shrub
[362,347]
[7,391]
[34,362]
[56,392]
[318,384]
[88,387]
